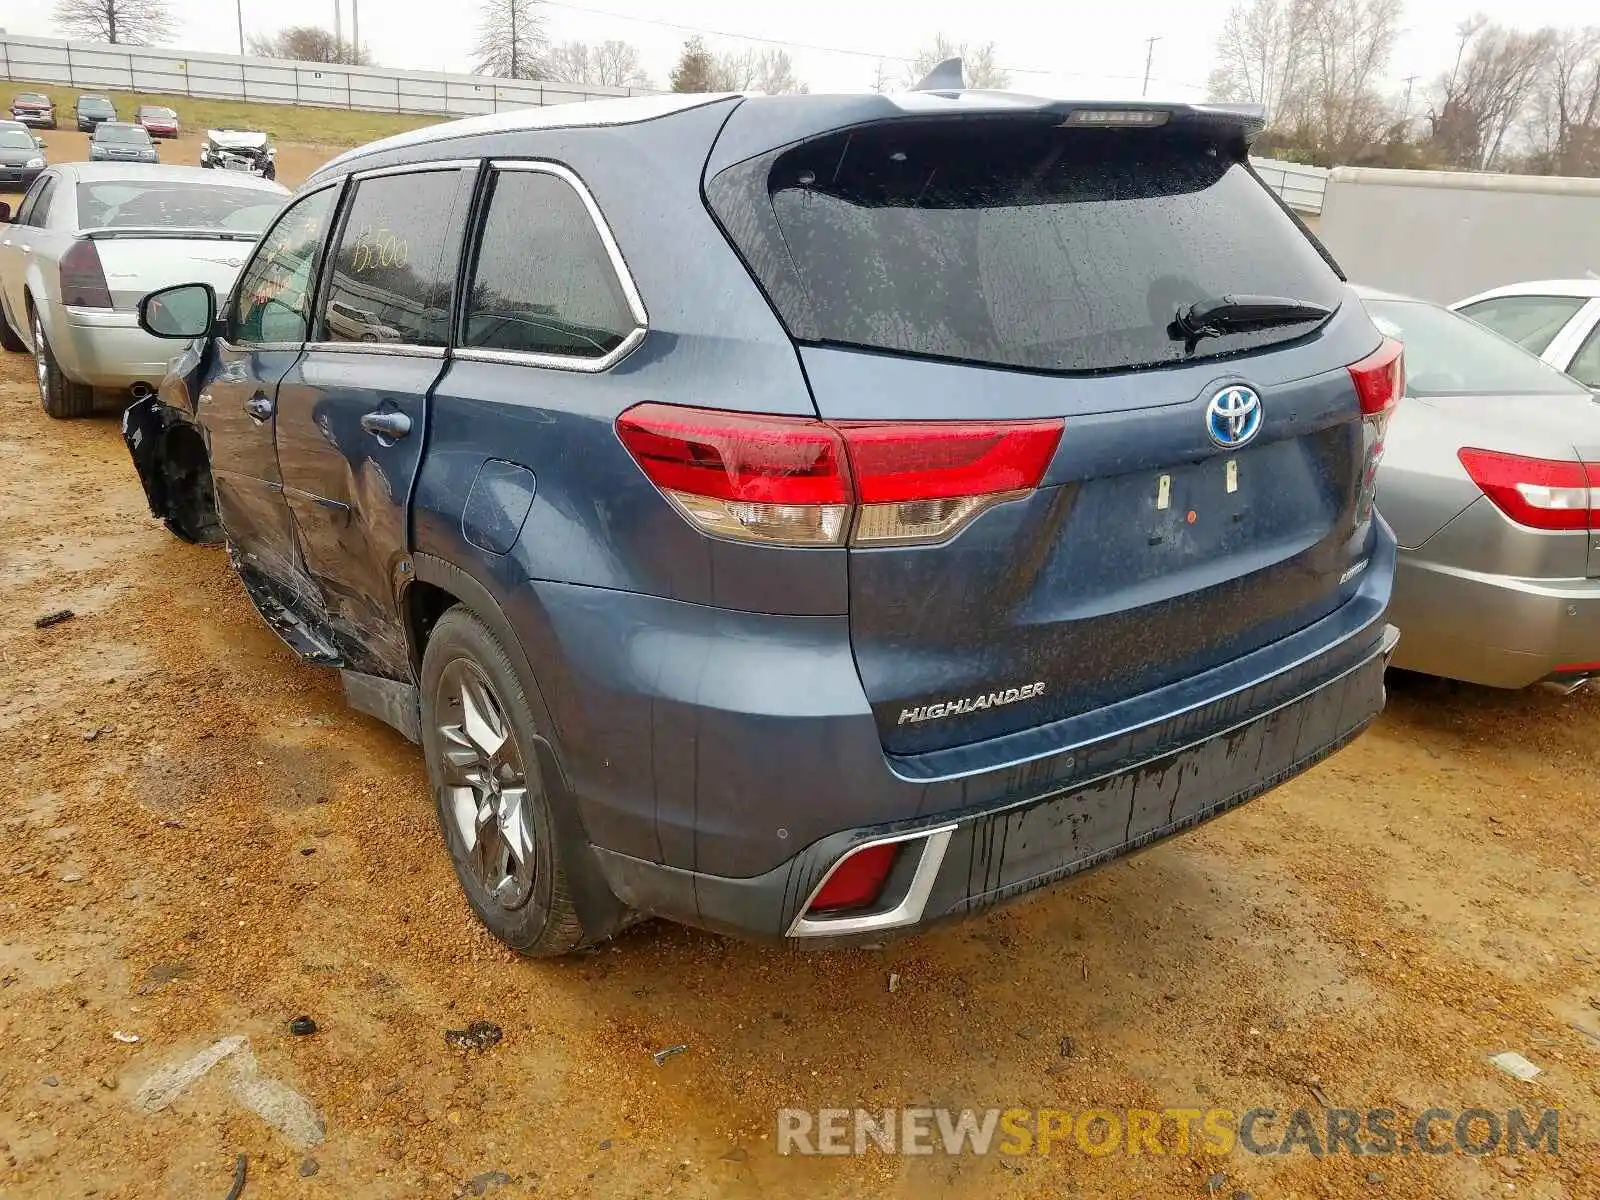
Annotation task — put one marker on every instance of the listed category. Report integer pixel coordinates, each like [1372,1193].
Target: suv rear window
[1021,243]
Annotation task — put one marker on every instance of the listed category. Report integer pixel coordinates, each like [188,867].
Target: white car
[1557,319]
[86,244]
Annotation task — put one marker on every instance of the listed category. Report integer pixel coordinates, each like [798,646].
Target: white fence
[277,81]
[1301,187]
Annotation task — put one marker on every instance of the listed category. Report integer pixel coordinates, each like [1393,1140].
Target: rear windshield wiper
[1240,314]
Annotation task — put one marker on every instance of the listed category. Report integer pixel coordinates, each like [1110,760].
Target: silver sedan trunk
[1491,480]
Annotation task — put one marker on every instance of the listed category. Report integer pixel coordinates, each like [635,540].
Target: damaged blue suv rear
[807,517]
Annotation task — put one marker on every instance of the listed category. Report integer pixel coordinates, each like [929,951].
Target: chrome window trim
[404,349]
[251,347]
[416,168]
[619,269]
[907,912]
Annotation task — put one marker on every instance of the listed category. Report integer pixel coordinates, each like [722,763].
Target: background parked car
[1491,480]
[239,150]
[89,240]
[91,110]
[1557,319]
[158,120]
[115,141]
[21,159]
[34,109]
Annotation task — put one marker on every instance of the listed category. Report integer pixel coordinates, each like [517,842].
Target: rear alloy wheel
[59,396]
[479,741]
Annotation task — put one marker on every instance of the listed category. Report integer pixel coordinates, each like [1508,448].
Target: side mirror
[38,143]
[182,313]
[5,213]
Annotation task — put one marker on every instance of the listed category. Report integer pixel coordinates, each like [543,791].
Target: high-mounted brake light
[1120,117]
[83,279]
[1541,493]
[805,482]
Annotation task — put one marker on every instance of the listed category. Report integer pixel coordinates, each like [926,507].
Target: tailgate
[1006,268]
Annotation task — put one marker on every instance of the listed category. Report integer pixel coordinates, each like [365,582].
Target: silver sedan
[87,243]
[1491,480]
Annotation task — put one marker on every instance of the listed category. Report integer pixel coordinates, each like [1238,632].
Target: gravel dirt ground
[198,842]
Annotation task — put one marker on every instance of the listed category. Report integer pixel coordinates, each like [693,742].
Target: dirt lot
[198,841]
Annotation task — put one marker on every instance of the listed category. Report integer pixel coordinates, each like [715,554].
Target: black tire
[59,396]
[532,910]
[8,336]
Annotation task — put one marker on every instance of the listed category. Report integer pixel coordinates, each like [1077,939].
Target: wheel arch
[437,586]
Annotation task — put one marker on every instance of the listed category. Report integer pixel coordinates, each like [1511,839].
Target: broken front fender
[143,427]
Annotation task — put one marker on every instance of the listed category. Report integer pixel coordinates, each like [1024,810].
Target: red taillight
[798,480]
[856,882]
[83,279]
[1380,378]
[1538,492]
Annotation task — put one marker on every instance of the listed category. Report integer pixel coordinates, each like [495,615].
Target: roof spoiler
[948,76]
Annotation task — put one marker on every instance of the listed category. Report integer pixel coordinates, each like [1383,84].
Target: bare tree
[882,81]
[511,40]
[1486,91]
[775,74]
[1564,119]
[309,43]
[606,64]
[121,22]
[1339,110]
[977,63]
[1260,56]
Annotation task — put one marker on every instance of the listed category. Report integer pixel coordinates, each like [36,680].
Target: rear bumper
[1494,630]
[107,349]
[956,863]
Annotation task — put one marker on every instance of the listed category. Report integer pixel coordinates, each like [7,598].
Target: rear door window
[545,282]
[1585,366]
[1020,243]
[395,268]
[1530,321]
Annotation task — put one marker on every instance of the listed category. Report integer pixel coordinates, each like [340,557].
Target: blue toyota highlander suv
[805,516]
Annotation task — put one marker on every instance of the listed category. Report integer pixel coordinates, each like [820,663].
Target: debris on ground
[1068,1047]
[479,1035]
[1515,1065]
[661,1056]
[50,1081]
[55,618]
[1216,1183]
[894,982]
[127,1039]
[240,1169]
[302,1027]
[482,1185]
[1374,1176]
[309,1167]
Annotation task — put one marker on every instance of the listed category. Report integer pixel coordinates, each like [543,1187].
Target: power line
[821,49]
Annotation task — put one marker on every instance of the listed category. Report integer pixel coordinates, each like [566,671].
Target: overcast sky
[1090,50]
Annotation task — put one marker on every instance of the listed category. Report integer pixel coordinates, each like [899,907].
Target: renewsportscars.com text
[1216,1131]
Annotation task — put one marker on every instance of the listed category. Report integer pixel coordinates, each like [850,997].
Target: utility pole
[514,63]
[338,31]
[1149,57]
[239,5]
[1410,79]
[355,30]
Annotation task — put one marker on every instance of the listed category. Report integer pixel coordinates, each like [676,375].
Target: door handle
[259,406]
[389,425]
